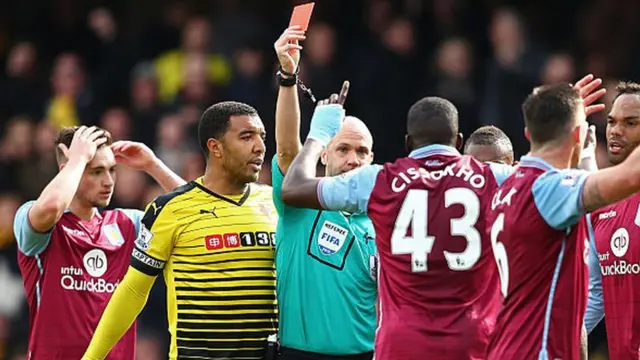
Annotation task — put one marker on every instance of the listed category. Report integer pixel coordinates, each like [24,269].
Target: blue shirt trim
[536,162]
[595,302]
[435,149]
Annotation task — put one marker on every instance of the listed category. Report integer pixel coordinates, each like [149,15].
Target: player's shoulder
[167,200]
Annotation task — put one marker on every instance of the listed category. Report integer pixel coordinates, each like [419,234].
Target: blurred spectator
[35,174]
[252,82]
[129,189]
[513,71]
[197,90]
[116,120]
[193,167]
[558,68]
[453,80]
[195,41]
[173,146]
[145,111]
[21,91]
[72,101]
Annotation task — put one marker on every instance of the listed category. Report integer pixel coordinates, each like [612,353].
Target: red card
[302,15]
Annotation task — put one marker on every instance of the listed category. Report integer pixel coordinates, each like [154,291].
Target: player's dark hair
[549,112]
[627,88]
[65,136]
[433,120]
[214,122]
[489,135]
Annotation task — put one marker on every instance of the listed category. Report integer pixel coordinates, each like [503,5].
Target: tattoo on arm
[592,198]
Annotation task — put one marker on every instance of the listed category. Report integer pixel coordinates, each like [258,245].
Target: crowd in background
[145,70]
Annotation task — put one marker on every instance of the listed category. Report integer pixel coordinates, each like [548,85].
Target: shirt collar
[535,162]
[435,149]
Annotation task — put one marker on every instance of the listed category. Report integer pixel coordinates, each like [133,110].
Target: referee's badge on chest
[331,238]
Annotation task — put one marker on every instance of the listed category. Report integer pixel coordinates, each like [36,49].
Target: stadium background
[145,69]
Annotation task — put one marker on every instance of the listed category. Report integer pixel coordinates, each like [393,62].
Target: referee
[325,261]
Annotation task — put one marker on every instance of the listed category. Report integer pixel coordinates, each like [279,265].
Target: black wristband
[286,81]
[282,71]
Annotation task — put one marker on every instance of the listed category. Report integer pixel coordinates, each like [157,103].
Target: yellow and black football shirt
[217,256]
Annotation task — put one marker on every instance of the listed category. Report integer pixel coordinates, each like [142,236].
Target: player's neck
[554,156]
[220,182]
[81,210]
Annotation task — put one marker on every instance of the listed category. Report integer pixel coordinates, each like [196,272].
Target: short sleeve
[277,178]
[500,171]
[30,242]
[155,240]
[349,191]
[558,197]
[595,301]
[136,217]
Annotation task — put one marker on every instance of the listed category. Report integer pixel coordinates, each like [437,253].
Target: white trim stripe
[544,354]
[40,275]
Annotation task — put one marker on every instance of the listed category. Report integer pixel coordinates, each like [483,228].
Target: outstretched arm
[300,184]
[612,184]
[287,106]
[124,307]
[300,187]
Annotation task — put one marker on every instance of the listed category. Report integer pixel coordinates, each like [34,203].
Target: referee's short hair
[214,122]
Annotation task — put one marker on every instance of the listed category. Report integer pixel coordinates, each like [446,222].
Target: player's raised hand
[587,87]
[288,49]
[84,144]
[339,99]
[133,154]
[327,120]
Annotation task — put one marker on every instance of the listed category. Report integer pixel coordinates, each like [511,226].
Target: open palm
[133,154]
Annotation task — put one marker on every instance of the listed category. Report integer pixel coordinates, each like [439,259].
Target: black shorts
[292,354]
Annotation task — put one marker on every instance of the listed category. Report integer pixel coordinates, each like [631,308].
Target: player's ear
[408,143]
[459,141]
[527,134]
[323,157]
[577,135]
[215,148]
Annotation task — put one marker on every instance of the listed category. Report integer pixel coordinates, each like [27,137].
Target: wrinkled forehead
[626,105]
[352,138]
[243,123]
[104,158]
[355,133]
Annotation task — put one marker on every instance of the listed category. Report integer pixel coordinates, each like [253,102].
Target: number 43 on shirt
[414,213]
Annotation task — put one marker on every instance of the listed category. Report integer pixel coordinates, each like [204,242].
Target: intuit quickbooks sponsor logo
[95,264]
[620,268]
[68,282]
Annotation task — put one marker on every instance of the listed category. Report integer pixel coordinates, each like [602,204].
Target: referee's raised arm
[325,260]
[287,107]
